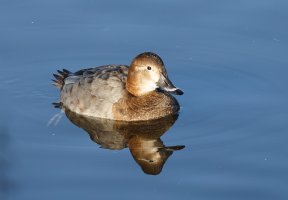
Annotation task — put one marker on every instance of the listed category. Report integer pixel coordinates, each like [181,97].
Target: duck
[139,92]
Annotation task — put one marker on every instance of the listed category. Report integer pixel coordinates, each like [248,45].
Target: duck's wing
[94,89]
[66,77]
[104,82]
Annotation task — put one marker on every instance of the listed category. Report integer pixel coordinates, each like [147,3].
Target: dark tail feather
[57,105]
[66,71]
[60,77]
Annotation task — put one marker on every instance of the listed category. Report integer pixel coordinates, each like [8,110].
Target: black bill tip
[179,92]
[175,91]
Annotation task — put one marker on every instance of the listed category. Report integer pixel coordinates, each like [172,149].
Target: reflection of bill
[142,138]
[150,154]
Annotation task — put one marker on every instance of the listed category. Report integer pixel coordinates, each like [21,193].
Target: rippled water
[229,57]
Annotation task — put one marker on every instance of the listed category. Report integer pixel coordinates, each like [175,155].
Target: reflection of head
[150,154]
[142,138]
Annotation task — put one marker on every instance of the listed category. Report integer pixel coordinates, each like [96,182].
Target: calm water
[230,58]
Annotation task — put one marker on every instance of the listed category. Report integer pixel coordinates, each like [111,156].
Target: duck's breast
[154,105]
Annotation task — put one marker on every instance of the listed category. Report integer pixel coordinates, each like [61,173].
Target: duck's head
[147,73]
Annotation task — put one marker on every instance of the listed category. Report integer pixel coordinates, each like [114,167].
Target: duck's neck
[139,89]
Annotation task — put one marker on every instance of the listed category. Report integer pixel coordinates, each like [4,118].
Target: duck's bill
[175,148]
[176,91]
[166,85]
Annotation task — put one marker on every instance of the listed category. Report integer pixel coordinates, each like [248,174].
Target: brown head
[147,73]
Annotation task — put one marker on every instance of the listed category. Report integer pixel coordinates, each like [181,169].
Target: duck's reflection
[142,138]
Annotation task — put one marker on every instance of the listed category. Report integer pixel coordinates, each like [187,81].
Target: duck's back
[93,91]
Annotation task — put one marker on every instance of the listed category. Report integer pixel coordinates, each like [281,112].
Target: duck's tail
[60,78]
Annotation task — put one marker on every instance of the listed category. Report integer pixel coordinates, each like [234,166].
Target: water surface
[229,57]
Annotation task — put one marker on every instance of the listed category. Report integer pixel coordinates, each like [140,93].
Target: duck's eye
[148,67]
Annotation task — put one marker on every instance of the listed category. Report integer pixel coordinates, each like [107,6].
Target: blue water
[230,58]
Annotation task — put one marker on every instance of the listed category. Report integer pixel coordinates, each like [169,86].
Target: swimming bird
[141,91]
